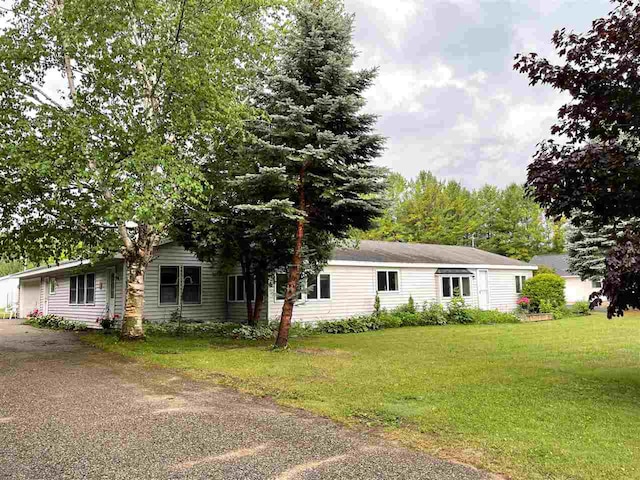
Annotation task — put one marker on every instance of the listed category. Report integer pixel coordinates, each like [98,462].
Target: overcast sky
[448,98]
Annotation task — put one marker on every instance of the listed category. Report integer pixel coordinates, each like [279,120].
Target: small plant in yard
[581,308]
[107,322]
[524,303]
[376,305]
[247,332]
[56,323]
[35,313]
[457,310]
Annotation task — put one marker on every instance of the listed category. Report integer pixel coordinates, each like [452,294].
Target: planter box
[537,317]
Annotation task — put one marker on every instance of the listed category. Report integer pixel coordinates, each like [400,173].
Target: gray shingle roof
[397,252]
[559,262]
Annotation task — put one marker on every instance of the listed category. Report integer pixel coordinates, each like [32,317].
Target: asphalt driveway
[70,411]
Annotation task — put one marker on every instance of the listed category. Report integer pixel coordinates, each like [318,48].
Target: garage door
[29,296]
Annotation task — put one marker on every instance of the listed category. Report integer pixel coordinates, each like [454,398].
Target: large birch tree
[107,108]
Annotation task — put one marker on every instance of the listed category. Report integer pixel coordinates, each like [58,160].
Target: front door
[111,292]
[483,289]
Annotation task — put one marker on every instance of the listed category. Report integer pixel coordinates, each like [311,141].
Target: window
[52,286]
[324,280]
[387,281]
[282,279]
[235,289]
[73,290]
[168,285]
[596,284]
[456,286]
[520,279]
[192,289]
[82,289]
[90,283]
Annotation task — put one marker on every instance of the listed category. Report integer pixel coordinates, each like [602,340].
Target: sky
[448,98]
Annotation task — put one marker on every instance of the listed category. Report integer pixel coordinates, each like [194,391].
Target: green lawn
[546,400]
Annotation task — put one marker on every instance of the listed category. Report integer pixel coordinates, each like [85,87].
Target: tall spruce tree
[319,135]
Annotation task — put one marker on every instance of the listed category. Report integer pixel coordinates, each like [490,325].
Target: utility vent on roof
[453,271]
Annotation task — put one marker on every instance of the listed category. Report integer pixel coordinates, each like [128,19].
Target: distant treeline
[504,221]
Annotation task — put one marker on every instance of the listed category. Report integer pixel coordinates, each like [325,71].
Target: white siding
[353,292]
[59,301]
[577,290]
[502,288]
[212,307]
[9,292]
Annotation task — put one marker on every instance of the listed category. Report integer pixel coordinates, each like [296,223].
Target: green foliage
[581,308]
[545,306]
[351,325]
[490,317]
[56,323]
[433,314]
[542,269]
[547,287]
[457,310]
[376,304]
[427,210]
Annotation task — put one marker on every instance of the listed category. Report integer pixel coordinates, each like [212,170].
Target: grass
[546,400]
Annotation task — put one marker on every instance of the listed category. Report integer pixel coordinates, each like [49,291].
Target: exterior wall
[213,304]
[502,288]
[576,290]
[9,292]
[58,302]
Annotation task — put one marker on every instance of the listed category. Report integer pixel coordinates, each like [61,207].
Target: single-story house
[575,289]
[177,280]
[8,292]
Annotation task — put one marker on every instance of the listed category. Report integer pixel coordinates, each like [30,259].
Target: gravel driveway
[70,411]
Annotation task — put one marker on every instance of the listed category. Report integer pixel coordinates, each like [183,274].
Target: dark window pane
[81,289]
[191,292]
[169,294]
[312,288]
[191,275]
[168,275]
[446,286]
[231,281]
[466,287]
[518,289]
[382,282]
[325,286]
[112,289]
[281,285]
[91,287]
[455,285]
[73,285]
[393,281]
[240,288]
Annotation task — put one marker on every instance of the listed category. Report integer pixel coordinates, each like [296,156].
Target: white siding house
[176,281]
[9,292]
[575,289]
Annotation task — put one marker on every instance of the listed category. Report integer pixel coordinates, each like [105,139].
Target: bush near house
[544,291]
[56,323]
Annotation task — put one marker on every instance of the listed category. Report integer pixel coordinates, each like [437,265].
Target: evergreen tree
[318,134]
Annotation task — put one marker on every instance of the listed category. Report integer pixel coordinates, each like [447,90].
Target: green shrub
[457,311]
[376,305]
[56,323]
[581,308]
[433,314]
[489,317]
[350,325]
[390,320]
[247,332]
[560,312]
[409,307]
[545,306]
[545,286]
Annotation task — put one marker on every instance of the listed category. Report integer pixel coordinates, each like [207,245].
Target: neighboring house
[8,292]
[347,286]
[576,289]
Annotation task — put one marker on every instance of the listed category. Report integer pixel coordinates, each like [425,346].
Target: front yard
[547,400]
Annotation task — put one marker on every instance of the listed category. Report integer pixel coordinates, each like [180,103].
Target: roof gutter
[354,263]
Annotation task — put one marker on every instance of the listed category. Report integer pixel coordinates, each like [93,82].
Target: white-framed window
[387,281]
[453,285]
[596,284]
[191,285]
[282,280]
[52,286]
[319,287]
[520,279]
[82,289]
[169,284]
[236,291]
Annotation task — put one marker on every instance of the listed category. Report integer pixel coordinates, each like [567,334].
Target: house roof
[397,252]
[559,262]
